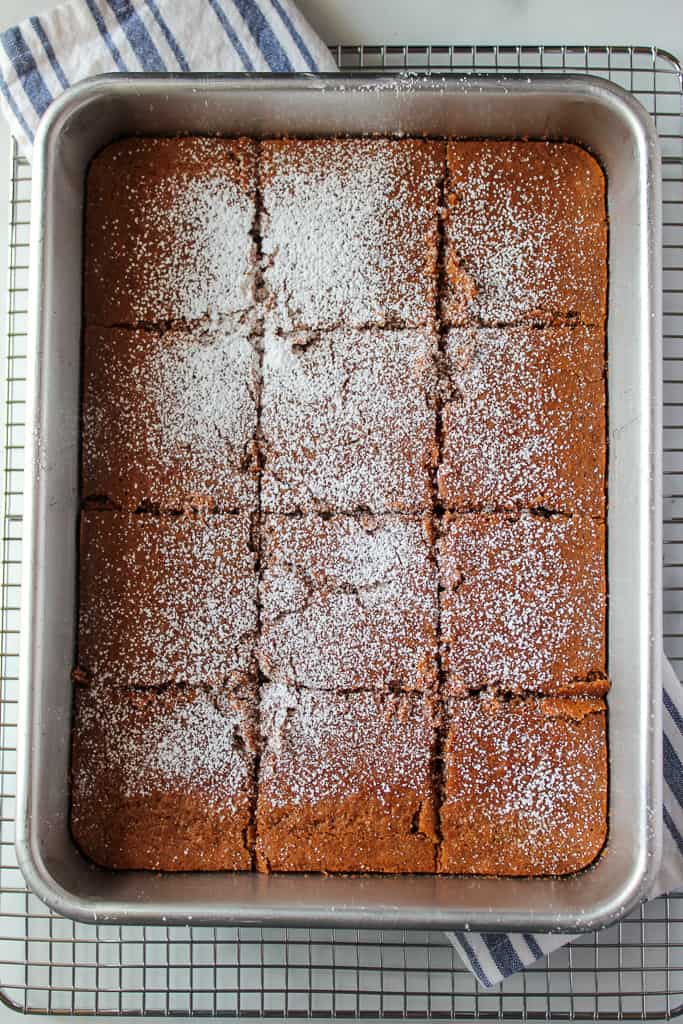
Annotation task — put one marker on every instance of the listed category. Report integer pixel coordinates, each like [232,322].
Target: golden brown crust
[346,782]
[523,605]
[526,234]
[164,781]
[525,789]
[168,230]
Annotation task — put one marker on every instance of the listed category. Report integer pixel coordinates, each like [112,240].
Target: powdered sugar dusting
[525,423]
[524,603]
[166,600]
[170,416]
[344,746]
[350,231]
[525,787]
[348,421]
[199,741]
[526,233]
[170,231]
[348,603]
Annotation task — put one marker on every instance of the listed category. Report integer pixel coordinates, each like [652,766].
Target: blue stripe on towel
[168,35]
[673,770]
[231,34]
[23,62]
[473,958]
[264,37]
[49,52]
[675,834]
[534,947]
[673,711]
[11,103]
[137,35]
[503,952]
[104,32]
[291,28]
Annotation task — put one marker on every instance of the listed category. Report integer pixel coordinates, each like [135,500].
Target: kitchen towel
[493,956]
[42,56]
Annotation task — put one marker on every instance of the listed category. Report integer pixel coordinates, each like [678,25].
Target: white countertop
[658,22]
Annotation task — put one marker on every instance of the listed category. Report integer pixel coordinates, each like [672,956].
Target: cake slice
[166,599]
[350,231]
[525,234]
[523,604]
[169,418]
[349,421]
[164,781]
[346,782]
[348,603]
[168,230]
[524,423]
[525,787]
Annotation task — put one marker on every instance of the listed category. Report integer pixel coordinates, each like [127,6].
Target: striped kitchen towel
[493,956]
[43,56]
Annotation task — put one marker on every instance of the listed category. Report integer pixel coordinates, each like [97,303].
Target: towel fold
[42,56]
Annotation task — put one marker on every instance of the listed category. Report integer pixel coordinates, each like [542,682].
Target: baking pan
[586,110]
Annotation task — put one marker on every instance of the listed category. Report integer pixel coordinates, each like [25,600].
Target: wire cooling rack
[49,965]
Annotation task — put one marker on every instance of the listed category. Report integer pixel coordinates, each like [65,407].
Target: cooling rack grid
[633,971]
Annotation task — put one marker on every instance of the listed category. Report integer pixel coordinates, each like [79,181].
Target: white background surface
[658,22]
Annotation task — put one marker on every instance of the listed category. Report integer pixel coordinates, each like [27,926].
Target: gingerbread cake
[348,421]
[169,417]
[523,604]
[166,599]
[525,786]
[526,234]
[164,780]
[350,231]
[346,782]
[342,581]
[348,603]
[168,231]
[524,419]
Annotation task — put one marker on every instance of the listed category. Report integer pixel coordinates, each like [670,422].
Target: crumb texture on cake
[348,421]
[348,603]
[346,782]
[169,417]
[525,788]
[342,580]
[164,781]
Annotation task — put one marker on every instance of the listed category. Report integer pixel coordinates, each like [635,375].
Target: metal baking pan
[587,110]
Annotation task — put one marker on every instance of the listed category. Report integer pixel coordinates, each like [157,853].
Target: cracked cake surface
[350,231]
[169,417]
[166,599]
[525,789]
[524,423]
[348,603]
[164,780]
[525,234]
[342,599]
[349,421]
[524,603]
[346,782]
[168,230]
